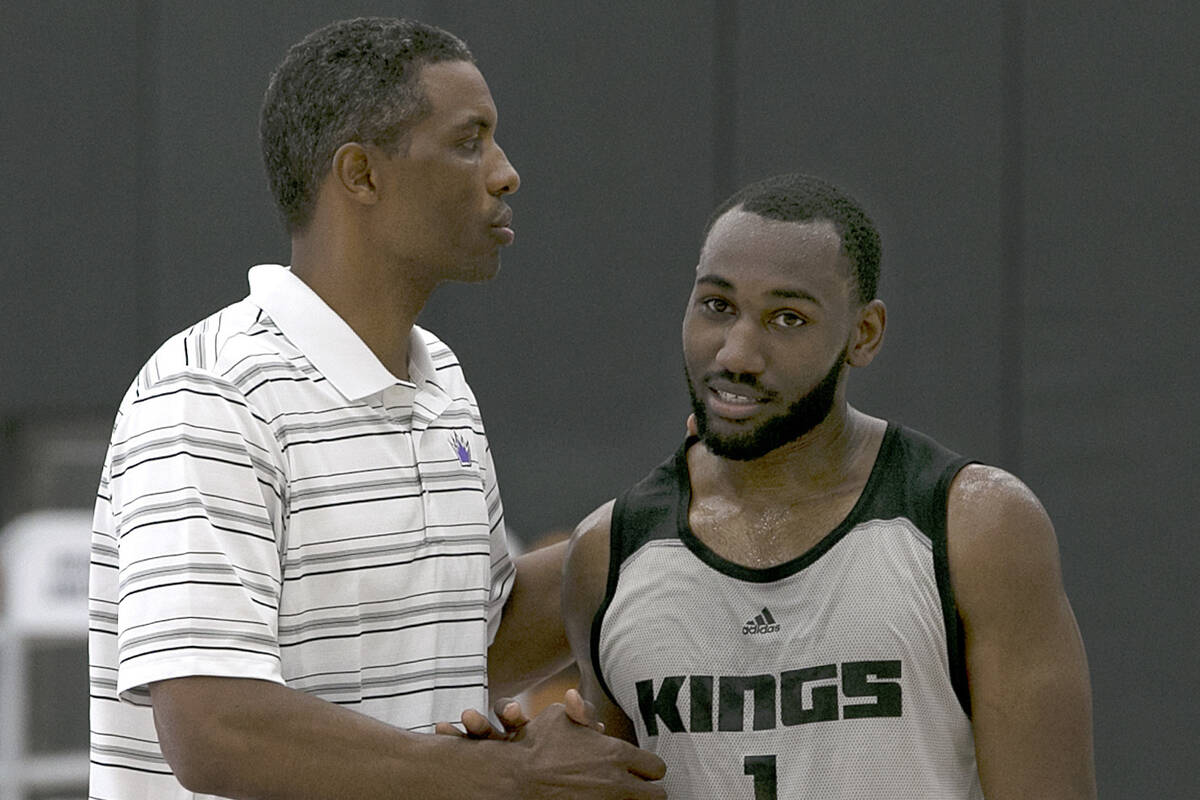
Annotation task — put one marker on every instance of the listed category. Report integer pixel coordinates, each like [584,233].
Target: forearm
[531,644]
[255,739]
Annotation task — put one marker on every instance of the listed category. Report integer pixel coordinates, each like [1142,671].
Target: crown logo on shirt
[462,449]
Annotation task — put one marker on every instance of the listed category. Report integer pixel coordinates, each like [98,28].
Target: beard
[801,417]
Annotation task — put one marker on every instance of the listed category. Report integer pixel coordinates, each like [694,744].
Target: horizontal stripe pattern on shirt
[254,522]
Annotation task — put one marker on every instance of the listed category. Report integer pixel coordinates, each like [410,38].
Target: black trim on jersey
[923,494]
[614,572]
[911,475]
[787,568]
[615,558]
[650,499]
[955,634]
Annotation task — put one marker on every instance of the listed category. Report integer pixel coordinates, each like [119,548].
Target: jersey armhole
[955,633]
[616,555]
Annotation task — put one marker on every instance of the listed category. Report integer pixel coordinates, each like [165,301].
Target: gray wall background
[1032,168]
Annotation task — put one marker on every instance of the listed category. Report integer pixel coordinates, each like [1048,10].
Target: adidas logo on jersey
[762,623]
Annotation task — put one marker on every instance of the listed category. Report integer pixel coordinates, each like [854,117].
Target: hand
[568,760]
[477,726]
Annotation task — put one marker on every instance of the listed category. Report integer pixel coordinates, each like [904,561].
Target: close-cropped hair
[795,197]
[355,80]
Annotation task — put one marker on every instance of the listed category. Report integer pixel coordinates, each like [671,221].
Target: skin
[389,228]
[774,301]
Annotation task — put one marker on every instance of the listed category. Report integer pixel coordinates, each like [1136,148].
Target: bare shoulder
[1000,539]
[586,569]
[989,507]
[988,498]
[595,525]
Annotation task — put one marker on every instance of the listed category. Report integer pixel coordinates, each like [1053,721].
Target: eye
[788,319]
[471,145]
[716,305]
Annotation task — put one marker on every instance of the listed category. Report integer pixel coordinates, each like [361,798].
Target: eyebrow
[789,294]
[474,121]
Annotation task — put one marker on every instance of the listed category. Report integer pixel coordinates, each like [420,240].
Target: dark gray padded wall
[1110,380]
[902,110]
[69,329]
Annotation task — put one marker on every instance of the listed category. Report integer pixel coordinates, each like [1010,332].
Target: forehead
[746,247]
[457,93]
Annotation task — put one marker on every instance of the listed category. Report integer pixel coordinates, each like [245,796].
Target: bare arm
[585,579]
[530,644]
[222,736]
[1026,667]
[244,738]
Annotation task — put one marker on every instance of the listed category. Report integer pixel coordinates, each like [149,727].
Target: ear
[353,173]
[868,335]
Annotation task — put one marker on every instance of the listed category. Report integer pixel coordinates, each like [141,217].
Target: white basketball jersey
[838,674]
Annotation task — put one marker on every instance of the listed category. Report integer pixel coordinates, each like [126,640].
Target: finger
[477,725]
[448,729]
[511,714]
[693,428]
[645,764]
[500,705]
[581,711]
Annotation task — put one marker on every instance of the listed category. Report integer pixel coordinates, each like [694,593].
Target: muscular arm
[585,578]
[530,644]
[1026,667]
[243,738]
[239,738]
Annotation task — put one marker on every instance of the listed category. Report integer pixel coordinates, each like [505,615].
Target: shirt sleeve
[196,480]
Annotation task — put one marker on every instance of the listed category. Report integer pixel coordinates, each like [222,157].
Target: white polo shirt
[276,505]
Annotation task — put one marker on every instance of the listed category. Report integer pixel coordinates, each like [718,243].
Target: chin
[737,447]
[478,271]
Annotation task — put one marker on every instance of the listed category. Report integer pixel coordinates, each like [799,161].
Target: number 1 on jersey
[763,770]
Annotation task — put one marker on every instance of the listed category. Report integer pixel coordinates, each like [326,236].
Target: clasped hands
[476,725]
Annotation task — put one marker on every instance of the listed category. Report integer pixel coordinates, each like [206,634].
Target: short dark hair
[356,80]
[795,197]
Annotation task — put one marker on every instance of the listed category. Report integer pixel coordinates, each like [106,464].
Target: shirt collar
[325,339]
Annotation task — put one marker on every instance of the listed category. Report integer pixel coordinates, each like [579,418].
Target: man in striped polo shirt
[299,559]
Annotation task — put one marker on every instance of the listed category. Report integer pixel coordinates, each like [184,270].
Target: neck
[819,461]
[379,301]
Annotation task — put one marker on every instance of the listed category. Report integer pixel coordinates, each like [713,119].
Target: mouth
[733,401]
[501,226]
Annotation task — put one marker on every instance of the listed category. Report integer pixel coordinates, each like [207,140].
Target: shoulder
[586,568]
[216,348]
[442,358]
[590,541]
[991,508]
[204,376]
[1000,540]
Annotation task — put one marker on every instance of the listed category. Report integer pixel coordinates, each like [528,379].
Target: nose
[503,178]
[741,352]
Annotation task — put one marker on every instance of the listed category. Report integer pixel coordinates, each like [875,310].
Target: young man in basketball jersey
[808,601]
